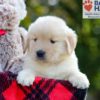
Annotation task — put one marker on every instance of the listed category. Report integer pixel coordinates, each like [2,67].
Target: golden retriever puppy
[51,53]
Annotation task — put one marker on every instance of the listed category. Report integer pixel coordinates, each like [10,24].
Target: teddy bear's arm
[15,65]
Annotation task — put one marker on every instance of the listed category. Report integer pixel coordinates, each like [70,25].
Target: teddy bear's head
[11,13]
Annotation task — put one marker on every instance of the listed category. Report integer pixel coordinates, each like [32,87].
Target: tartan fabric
[42,89]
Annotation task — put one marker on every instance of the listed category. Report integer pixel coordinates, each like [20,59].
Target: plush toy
[12,36]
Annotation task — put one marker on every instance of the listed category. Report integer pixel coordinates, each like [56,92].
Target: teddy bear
[12,36]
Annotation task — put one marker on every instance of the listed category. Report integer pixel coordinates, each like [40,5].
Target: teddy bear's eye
[52,41]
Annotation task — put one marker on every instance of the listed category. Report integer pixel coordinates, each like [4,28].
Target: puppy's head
[50,40]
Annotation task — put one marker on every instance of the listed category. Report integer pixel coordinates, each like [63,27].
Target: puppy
[51,53]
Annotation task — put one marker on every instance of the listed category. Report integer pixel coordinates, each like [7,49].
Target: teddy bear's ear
[71,41]
[21,8]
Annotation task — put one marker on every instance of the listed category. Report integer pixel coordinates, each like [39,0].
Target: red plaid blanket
[42,89]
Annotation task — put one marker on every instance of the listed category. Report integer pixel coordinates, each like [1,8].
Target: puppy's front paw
[79,81]
[25,78]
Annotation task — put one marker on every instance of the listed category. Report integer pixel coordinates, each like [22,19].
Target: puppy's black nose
[40,54]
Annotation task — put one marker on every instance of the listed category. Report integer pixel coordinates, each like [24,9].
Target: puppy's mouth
[41,59]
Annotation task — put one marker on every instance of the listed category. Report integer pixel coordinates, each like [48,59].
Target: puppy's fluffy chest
[57,72]
[60,71]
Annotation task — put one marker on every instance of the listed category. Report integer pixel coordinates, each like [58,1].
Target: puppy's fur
[51,35]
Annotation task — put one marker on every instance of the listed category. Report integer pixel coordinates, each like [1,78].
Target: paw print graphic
[88,5]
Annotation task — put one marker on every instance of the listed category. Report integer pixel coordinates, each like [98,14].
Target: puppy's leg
[79,80]
[26,77]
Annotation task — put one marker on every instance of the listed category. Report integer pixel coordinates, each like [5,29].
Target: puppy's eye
[52,41]
[35,39]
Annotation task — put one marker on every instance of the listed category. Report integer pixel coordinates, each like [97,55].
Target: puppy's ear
[71,41]
[26,45]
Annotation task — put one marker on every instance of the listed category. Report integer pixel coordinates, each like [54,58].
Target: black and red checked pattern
[42,89]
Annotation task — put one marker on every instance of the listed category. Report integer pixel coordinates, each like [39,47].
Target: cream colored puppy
[50,53]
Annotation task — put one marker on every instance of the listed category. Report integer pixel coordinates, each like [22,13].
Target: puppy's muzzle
[40,54]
